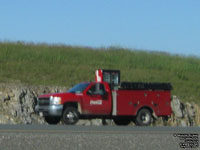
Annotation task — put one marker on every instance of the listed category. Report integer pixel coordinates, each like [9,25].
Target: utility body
[108,98]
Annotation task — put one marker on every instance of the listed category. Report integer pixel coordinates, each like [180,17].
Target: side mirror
[89,92]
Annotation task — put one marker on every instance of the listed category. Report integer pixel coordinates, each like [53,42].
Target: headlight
[55,100]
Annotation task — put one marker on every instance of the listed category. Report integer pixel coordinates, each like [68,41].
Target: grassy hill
[65,65]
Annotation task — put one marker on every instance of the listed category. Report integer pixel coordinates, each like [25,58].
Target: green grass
[41,64]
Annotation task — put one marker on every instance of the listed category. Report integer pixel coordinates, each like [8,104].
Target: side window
[97,89]
[101,89]
[92,90]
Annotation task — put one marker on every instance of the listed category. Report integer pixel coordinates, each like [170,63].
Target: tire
[143,117]
[121,121]
[52,120]
[70,116]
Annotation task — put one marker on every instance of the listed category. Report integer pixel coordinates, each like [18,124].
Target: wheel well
[71,104]
[146,107]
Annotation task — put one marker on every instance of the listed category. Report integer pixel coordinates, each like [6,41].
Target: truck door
[96,100]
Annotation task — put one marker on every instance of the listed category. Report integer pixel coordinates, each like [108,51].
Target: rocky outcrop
[17,104]
[184,114]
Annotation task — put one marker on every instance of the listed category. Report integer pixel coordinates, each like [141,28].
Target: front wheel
[143,117]
[70,116]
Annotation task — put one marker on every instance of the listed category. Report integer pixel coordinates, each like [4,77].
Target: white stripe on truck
[114,96]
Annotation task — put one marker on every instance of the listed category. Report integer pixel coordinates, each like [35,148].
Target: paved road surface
[28,137]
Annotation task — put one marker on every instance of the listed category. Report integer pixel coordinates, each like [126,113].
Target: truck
[107,98]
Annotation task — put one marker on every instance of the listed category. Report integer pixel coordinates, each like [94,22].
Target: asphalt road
[28,137]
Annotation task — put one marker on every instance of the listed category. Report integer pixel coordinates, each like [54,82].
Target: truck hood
[57,94]
[64,96]
[51,94]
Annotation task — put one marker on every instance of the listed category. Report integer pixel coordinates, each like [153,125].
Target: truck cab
[84,99]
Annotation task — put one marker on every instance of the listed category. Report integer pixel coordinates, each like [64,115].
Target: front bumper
[50,110]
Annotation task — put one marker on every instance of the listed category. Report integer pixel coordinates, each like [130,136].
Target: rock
[96,122]
[4,119]
[6,97]
[184,114]
[177,107]
[197,114]
[183,123]
[18,102]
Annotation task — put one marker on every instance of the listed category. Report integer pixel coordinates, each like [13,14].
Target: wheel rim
[71,117]
[145,118]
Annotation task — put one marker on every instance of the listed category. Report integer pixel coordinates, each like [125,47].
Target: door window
[97,89]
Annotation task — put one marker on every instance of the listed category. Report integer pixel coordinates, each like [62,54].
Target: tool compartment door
[125,100]
[161,103]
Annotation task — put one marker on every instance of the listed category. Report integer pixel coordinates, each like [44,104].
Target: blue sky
[162,25]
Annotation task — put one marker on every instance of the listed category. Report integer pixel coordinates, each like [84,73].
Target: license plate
[41,114]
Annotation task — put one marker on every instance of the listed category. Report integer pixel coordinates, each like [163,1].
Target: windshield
[79,88]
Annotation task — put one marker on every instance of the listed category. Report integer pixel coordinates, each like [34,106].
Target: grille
[44,101]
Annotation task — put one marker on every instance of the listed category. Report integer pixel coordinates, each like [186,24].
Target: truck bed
[131,101]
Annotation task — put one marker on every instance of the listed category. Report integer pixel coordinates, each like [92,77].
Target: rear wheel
[52,120]
[122,121]
[143,117]
[70,116]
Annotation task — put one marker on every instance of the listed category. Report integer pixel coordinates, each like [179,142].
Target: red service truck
[105,98]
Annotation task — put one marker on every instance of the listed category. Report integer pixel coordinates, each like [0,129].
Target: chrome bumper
[50,110]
